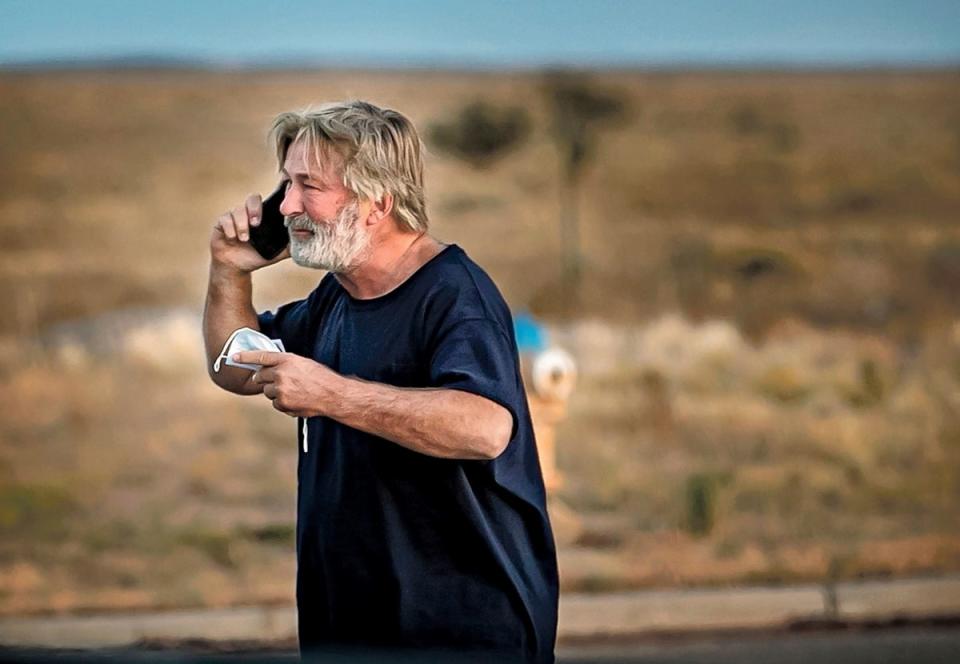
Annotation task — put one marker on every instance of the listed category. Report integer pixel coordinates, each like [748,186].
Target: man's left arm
[447,423]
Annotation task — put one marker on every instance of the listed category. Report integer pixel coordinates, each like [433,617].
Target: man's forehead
[317,164]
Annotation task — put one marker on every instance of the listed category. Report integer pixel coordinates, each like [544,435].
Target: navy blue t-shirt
[398,549]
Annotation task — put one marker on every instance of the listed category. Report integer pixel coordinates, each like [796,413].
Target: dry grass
[723,461]
[765,326]
[130,486]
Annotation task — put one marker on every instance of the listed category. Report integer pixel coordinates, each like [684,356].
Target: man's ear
[381,208]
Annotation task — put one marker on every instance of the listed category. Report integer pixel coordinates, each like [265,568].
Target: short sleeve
[477,356]
[290,324]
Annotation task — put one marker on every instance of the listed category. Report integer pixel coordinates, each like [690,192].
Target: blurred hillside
[826,196]
[767,324]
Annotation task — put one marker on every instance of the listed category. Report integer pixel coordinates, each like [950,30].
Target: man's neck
[391,262]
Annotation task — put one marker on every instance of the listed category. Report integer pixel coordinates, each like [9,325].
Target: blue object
[531,335]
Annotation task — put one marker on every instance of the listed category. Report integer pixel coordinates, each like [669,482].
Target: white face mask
[246,339]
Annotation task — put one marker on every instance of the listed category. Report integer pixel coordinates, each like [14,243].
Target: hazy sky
[487,32]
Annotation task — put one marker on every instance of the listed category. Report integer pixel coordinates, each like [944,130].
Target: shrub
[215,544]
[700,504]
[784,383]
[39,509]
[481,133]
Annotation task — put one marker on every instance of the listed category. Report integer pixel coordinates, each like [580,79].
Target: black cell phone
[270,236]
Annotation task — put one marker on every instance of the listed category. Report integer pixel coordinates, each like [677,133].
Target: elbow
[497,434]
[232,383]
[481,427]
[218,379]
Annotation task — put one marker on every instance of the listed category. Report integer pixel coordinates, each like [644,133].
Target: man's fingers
[264,358]
[277,406]
[226,225]
[236,223]
[271,392]
[254,206]
[239,215]
[264,375]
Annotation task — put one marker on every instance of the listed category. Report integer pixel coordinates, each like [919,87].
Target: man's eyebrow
[305,176]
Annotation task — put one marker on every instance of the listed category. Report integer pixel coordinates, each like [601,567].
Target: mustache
[300,222]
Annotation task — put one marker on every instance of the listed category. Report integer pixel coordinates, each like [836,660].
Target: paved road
[685,610]
[581,616]
[894,646]
[615,627]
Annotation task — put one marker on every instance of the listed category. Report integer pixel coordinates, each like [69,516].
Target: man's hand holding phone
[251,236]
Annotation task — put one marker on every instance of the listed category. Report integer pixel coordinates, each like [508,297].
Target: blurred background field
[766,322]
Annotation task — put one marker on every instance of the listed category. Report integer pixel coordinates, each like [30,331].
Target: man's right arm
[229,306]
[229,303]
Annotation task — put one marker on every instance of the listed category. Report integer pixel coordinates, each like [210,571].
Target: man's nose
[291,205]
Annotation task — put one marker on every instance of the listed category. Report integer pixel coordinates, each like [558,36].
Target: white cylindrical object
[554,374]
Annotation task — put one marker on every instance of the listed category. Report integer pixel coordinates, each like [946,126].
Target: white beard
[337,244]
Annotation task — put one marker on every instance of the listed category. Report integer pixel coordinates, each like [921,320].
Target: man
[422,522]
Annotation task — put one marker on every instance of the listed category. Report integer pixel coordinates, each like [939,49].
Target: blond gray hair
[377,149]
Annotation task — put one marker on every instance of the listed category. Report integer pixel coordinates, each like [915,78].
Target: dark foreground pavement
[897,645]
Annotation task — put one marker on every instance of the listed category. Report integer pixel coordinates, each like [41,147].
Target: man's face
[321,215]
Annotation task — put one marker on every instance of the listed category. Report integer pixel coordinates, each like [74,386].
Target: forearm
[439,422]
[228,307]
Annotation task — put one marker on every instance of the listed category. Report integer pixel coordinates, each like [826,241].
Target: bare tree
[578,110]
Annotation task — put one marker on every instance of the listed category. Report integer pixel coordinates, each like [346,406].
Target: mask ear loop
[223,353]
